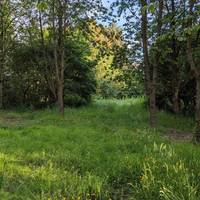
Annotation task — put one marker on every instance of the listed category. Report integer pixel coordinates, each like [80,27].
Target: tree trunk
[1,86]
[150,70]
[153,80]
[61,66]
[174,65]
[59,51]
[48,75]
[149,86]
[197,130]
[152,104]
[175,100]
[197,78]
[1,74]
[61,60]
[60,98]
[2,30]
[196,71]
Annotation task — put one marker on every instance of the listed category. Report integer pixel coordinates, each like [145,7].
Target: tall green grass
[103,151]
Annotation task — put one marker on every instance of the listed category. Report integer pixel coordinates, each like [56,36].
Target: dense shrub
[175,77]
[128,84]
[31,79]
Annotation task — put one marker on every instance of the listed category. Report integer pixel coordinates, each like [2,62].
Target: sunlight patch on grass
[102,151]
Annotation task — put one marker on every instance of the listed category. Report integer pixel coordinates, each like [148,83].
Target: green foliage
[31,80]
[80,81]
[168,51]
[115,76]
[152,9]
[101,151]
[107,89]
[41,6]
[174,72]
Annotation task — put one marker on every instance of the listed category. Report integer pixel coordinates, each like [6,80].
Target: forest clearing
[99,100]
[103,151]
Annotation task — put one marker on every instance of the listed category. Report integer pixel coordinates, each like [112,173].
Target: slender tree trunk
[197,132]
[174,65]
[175,100]
[153,81]
[1,78]
[196,71]
[1,85]
[149,86]
[61,58]
[48,71]
[59,51]
[152,103]
[150,70]
[60,97]
[60,78]
[1,69]
[1,52]
[197,77]
[175,89]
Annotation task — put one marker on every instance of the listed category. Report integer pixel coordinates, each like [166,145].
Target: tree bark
[152,104]
[153,81]
[1,69]
[1,53]
[175,99]
[149,86]
[174,67]
[1,86]
[150,69]
[197,78]
[48,75]
[196,71]
[59,52]
[61,58]
[197,131]
[60,98]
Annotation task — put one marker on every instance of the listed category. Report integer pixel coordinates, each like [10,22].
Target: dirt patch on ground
[10,120]
[178,135]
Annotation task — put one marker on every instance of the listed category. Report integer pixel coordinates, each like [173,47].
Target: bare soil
[178,135]
[11,120]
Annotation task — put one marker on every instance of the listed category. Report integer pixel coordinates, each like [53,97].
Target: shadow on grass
[96,149]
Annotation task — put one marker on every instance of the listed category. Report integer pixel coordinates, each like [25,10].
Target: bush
[31,78]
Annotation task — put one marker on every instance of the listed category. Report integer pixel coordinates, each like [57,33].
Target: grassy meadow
[103,151]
